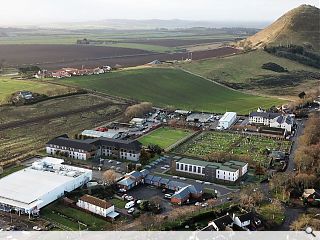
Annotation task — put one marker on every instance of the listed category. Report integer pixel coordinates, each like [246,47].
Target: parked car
[129,205]
[229,198]
[163,168]
[167,195]
[182,178]
[36,228]
[166,166]
[122,190]
[131,210]
[197,204]
[110,161]
[118,163]
[129,198]
[175,177]
[204,205]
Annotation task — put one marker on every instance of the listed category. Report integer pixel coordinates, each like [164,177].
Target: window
[194,169]
[186,167]
[190,168]
[177,166]
[199,169]
[181,166]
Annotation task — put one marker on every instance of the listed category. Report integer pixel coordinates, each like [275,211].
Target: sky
[22,12]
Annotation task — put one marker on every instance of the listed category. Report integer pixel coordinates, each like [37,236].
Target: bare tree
[109,177]
[1,170]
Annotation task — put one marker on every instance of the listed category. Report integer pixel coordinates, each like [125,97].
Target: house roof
[223,221]
[96,201]
[135,174]
[164,181]
[182,193]
[246,217]
[277,155]
[194,162]
[144,172]
[156,179]
[126,181]
[72,143]
[195,189]
[131,144]
[149,177]
[267,115]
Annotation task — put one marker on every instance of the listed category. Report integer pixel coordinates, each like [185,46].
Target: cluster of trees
[147,154]
[109,177]
[273,67]
[307,156]
[29,69]
[295,53]
[138,110]
[250,196]
[305,220]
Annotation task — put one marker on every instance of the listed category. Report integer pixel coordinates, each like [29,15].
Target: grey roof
[182,193]
[287,119]
[132,144]
[72,143]
[176,184]
[144,172]
[223,221]
[246,217]
[195,189]
[277,155]
[156,179]
[126,181]
[194,162]
[135,174]
[164,180]
[149,177]
[265,115]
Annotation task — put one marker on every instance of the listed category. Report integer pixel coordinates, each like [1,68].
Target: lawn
[166,87]
[9,86]
[70,217]
[244,71]
[117,202]
[211,142]
[164,137]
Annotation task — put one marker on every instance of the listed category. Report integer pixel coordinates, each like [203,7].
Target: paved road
[299,131]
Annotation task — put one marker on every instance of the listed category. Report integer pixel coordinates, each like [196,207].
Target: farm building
[97,206]
[32,188]
[227,120]
[199,117]
[211,171]
[96,134]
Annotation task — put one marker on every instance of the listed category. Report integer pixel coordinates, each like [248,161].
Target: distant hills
[300,26]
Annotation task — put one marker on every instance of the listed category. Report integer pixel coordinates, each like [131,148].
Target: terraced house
[89,148]
[230,171]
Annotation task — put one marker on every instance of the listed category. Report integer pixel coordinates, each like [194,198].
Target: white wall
[178,164]
[95,209]
[226,175]
[72,154]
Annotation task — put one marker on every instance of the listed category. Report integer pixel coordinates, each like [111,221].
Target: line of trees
[138,110]
[295,53]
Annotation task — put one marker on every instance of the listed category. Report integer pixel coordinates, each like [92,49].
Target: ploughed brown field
[57,56]
[179,42]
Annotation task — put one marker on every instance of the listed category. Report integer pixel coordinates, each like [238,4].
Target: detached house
[220,224]
[284,122]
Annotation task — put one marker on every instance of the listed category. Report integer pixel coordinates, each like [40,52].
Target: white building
[284,122]
[227,120]
[137,121]
[262,117]
[96,134]
[32,188]
[97,206]
[210,171]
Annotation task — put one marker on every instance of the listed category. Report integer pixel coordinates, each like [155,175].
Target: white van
[129,205]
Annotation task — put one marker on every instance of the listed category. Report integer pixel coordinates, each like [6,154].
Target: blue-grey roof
[182,193]
[164,181]
[144,172]
[156,179]
[195,189]
[264,115]
[149,177]
[135,174]
[126,182]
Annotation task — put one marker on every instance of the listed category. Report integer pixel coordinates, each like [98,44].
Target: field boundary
[182,141]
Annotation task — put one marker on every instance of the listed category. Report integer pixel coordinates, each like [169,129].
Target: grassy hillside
[244,72]
[171,87]
[9,86]
[300,26]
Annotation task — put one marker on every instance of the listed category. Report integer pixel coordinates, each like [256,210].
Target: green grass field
[210,142]
[242,70]
[69,217]
[9,86]
[164,137]
[172,87]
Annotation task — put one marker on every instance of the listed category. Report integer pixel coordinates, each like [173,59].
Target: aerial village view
[197,124]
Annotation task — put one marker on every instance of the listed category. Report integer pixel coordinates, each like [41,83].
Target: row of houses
[97,147]
[273,120]
[69,72]
[183,191]
[230,171]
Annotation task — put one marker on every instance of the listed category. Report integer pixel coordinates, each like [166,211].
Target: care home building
[89,148]
[229,171]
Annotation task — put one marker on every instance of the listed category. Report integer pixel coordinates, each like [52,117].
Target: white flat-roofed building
[32,188]
[96,134]
[227,119]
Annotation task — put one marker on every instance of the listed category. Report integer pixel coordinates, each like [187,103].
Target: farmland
[54,56]
[164,137]
[32,126]
[9,86]
[171,87]
[244,71]
[215,142]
